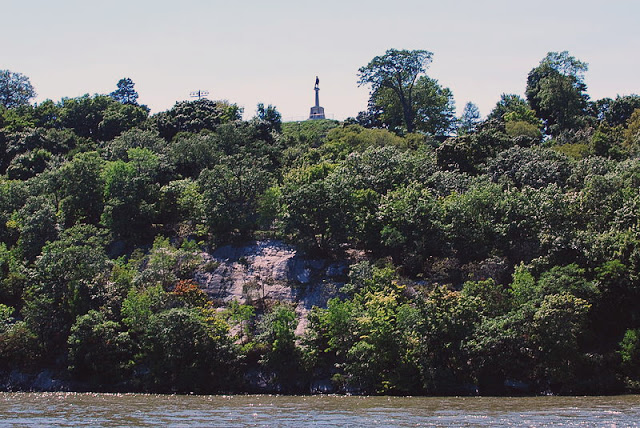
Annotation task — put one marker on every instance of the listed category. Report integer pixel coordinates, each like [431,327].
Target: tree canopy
[557,93]
[433,109]
[398,71]
[15,89]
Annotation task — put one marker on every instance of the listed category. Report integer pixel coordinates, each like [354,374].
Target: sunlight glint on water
[111,410]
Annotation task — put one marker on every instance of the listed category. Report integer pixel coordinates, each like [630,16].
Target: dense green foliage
[504,259]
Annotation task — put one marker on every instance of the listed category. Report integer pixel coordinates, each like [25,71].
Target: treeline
[502,253]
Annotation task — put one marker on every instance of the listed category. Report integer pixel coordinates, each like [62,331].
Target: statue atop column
[317,112]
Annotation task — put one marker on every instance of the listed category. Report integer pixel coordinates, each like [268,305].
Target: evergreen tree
[125,93]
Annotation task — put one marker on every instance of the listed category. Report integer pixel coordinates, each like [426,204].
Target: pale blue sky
[270,51]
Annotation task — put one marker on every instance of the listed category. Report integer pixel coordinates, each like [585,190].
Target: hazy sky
[271,51]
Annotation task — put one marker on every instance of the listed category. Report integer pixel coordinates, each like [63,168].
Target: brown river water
[117,410]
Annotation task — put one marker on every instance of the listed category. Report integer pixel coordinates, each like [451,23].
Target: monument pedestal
[317,112]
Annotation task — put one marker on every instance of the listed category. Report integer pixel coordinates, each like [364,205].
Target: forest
[497,255]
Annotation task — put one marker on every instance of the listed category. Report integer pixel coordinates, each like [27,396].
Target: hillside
[403,251]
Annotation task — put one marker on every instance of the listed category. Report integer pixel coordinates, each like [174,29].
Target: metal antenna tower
[199,94]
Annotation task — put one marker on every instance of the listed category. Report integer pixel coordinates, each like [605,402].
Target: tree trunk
[407,113]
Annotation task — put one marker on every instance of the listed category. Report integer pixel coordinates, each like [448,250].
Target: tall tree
[469,119]
[15,89]
[556,91]
[398,71]
[125,93]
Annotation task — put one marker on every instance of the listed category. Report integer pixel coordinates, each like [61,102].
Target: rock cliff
[269,272]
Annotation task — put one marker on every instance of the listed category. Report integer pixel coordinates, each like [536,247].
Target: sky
[250,52]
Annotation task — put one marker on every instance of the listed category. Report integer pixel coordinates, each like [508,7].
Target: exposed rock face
[271,271]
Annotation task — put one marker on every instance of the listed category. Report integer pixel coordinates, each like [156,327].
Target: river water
[111,410]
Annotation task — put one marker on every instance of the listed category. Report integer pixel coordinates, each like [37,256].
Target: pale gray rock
[272,271]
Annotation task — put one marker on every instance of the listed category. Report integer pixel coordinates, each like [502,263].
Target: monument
[317,112]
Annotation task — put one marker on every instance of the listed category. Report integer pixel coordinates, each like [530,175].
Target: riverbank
[256,382]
